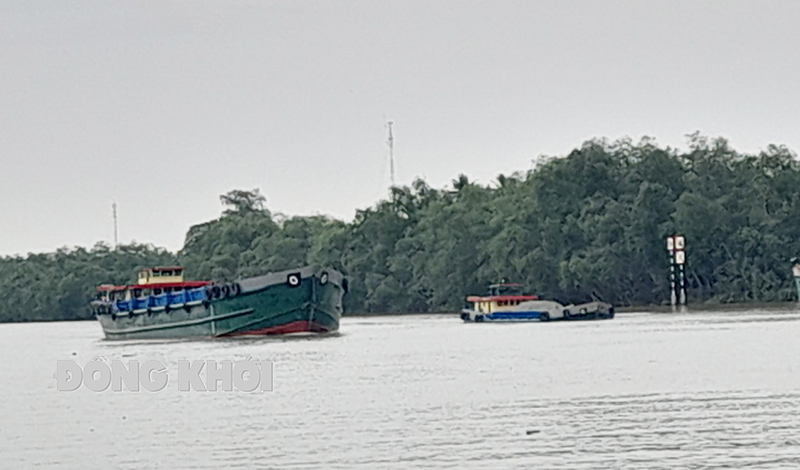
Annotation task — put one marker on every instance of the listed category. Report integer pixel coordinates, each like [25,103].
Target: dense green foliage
[592,224]
[59,286]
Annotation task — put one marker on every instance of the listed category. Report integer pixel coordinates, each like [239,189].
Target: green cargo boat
[163,305]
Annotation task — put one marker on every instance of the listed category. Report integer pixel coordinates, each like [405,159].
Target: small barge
[507,303]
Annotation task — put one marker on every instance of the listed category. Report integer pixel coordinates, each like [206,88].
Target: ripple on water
[671,391]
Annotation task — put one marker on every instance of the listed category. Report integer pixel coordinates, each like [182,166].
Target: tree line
[590,225]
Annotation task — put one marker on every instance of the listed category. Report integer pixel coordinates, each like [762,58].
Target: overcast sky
[164,105]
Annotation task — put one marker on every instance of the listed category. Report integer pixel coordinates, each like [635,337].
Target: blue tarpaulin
[196,294]
[158,300]
[176,297]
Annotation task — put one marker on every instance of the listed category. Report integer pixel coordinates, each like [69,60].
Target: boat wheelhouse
[161,275]
[501,297]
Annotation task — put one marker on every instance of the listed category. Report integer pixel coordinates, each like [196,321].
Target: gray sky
[165,105]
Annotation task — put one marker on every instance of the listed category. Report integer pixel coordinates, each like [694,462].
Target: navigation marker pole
[796,275]
[671,247]
[677,269]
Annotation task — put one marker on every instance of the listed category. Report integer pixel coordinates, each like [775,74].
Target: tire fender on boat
[293,279]
[544,316]
[235,289]
[225,291]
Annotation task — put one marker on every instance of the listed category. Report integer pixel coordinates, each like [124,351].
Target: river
[646,390]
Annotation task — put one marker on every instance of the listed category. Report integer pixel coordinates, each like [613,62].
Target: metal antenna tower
[391,150]
[116,230]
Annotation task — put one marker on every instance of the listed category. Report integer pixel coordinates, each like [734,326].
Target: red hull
[293,327]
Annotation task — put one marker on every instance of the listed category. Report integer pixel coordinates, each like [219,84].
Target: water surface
[643,391]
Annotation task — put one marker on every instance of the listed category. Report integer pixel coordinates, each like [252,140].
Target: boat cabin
[161,275]
[155,287]
[501,297]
